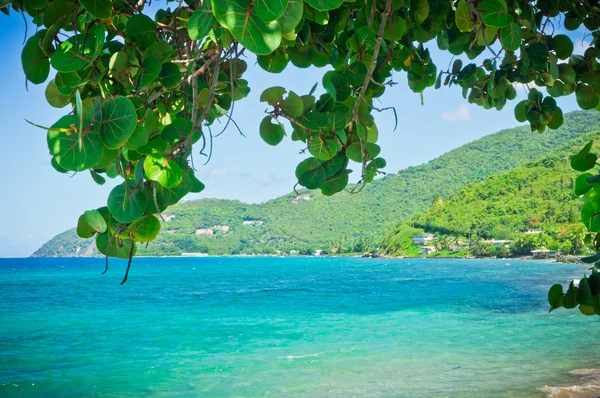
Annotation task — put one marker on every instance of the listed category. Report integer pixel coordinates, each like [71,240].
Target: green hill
[536,196]
[312,221]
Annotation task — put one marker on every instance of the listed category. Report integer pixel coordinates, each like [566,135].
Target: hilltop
[312,221]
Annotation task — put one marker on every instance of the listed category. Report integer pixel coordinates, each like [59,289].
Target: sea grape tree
[139,89]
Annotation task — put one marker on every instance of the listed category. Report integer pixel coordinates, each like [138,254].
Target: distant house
[222,228]
[168,218]
[318,252]
[294,252]
[543,253]
[532,231]
[495,242]
[206,231]
[301,197]
[422,240]
[427,250]
[256,222]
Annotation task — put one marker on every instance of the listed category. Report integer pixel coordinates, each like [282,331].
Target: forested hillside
[312,221]
[538,196]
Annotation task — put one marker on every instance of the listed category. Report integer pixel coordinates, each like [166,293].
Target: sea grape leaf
[464,20]
[242,20]
[201,21]
[116,247]
[63,143]
[119,120]
[324,5]
[162,170]
[142,30]
[101,9]
[90,223]
[510,36]
[145,229]
[292,16]
[35,63]
[271,133]
[126,204]
[495,13]
[270,10]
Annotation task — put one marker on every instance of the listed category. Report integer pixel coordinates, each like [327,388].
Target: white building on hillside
[422,240]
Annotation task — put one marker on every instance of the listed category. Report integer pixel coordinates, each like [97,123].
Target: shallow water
[338,327]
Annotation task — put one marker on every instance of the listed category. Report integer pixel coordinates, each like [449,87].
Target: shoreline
[559,259]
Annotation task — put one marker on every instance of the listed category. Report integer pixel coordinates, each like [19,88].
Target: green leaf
[310,173]
[584,160]
[587,97]
[292,16]
[335,184]
[356,73]
[419,11]
[495,13]
[324,148]
[119,121]
[35,63]
[74,53]
[125,204]
[90,223]
[242,20]
[366,37]
[273,95]
[293,105]
[354,151]
[270,10]
[510,36]
[570,298]
[162,170]
[271,133]
[64,147]
[177,130]
[395,28]
[141,29]
[563,46]
[582,186]
[464,20]
[138,139]
[324,5]
[145,229]
[584,293]
[314,121]
[151,68]
[119,247]
[118,61]
[275,62]
[170,75]
[98,179]
[100,9]
[54,97]
[201,22]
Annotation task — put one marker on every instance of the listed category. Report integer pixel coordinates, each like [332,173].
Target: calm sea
[314,327]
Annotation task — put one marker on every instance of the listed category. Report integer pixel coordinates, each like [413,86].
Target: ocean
[312,327]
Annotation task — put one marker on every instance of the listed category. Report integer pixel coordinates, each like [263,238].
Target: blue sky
[38,202]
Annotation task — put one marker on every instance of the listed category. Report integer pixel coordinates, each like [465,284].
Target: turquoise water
[288,327]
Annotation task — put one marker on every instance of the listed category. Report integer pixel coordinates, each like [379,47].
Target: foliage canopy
[142,90]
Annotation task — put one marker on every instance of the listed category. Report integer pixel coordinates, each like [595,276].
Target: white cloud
[219,172]
[462,112]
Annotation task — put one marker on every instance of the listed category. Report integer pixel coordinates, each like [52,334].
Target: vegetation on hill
[538,196]
[356,222]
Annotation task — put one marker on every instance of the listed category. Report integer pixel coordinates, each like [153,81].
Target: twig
[365,85]
[129,262]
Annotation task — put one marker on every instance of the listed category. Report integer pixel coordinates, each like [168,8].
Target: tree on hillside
[139,91]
